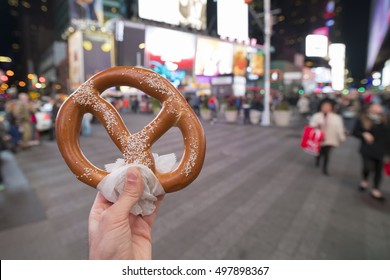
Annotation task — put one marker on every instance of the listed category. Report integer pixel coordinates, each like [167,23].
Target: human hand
[368,137]
[115,233]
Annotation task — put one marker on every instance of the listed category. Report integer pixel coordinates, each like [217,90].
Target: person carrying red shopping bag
[332,127]
[311,140]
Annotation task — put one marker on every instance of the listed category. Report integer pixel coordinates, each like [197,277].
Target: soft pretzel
[134,147]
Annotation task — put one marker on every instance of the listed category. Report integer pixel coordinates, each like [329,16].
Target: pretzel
[134,147]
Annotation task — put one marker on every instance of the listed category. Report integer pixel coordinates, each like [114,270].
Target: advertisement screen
[256,63]
[98,53]
[76,60]
[213,57]
[232,18]
[191,13]
[239,60]
[170,53]
[89,53]
[130,45]
[81,11]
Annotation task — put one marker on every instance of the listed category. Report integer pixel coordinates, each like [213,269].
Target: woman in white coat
[332,126]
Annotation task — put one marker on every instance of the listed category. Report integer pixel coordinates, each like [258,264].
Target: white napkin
[112,185]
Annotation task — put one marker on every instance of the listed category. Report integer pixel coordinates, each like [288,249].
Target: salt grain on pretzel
[134,147]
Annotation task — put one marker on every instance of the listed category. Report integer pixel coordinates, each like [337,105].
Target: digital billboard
[86,10]
[130,42]
[232,19]
[256,63]
[239,60]
[170,53]
[191,13]
[98,52]
[89,53]
[213,57]
[76,60]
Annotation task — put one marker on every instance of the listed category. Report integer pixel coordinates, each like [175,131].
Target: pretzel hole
[170,142]
[98,147]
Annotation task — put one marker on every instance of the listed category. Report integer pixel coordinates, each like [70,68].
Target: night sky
[354,32]
[355,27]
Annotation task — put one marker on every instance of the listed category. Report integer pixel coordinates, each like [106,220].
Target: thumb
[132,192]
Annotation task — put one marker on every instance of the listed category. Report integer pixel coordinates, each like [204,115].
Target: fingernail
[131,177]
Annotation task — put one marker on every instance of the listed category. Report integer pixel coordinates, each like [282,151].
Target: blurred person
[4,143]
[135,105]
[126,105]
[86,127]
[372,129]
[33,120]
[23,119]
[13,125]
[113,232]
[314,104]
[332,126]
[56,107]
[246,108]
[348,111]
[257,104]
[303,105]
[239,104]
[213,107]
[195,104]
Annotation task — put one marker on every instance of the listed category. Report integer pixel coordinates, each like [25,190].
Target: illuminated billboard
[256,63]
[170,53]
[86,10]
[239,60]
[130,43]
[191,13]
[232,19]
[89,53]
[98,52]
[76,60]
[316,45]
[213,57]
[337,62]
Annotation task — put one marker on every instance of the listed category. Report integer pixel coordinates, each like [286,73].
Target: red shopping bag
[386,167]
[311,140]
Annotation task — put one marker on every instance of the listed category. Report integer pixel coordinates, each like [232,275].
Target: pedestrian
[213,106]
[246,108]
[349,108]
[126,105]
[372,129]
[195,104]
[331,125]
[23,117]
[13,124]
[54,113]
[86,128]
[303,105]
[4,140]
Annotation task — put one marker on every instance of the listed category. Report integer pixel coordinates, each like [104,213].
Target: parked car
[43,116]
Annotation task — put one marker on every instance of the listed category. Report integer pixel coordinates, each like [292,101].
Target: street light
[265,120]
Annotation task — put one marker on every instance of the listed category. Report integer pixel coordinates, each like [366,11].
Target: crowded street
[259,196]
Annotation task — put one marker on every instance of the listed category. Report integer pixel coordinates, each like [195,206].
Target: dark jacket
[381,145]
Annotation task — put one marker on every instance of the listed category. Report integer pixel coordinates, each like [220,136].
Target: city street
[259,196]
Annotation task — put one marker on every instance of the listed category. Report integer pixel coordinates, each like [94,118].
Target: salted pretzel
[134,147]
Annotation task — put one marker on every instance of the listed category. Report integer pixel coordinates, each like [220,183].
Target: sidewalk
[258,197]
